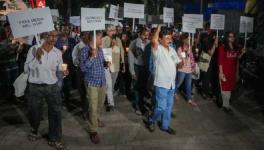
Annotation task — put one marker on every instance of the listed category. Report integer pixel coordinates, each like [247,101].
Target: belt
[41,84]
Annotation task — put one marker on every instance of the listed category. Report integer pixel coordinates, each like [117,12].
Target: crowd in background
[139,70]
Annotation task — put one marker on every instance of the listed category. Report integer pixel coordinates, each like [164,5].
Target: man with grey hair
[42,65]
[138,69]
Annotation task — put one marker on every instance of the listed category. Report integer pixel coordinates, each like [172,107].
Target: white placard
[120,13]
[113,12]
[168,15]
[112,22]
[143,21]
[75,20]
[197,18]
[55,12]
[133,10]
[217,22]
[92,19]
[188,25]
[107,54]
[31,22]
[246,24]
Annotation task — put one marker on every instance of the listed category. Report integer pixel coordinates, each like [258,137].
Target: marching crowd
[150,66]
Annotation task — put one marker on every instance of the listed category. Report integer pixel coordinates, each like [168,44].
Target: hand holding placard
[93,53]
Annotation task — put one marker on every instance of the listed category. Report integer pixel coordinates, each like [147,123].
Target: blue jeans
[163,106]
[187,79]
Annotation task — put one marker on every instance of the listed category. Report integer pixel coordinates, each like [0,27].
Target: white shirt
[166,62]
[76,52]
[44,71]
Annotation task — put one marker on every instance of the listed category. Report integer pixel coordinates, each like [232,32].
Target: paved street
[205,127]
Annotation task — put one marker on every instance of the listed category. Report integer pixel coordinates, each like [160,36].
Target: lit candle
[64,67]
[64,47]
[183,54]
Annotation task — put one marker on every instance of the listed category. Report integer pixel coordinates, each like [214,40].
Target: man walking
[42,66]
[92,65]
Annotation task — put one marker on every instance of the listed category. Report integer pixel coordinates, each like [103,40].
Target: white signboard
[92,19]
[120,13]
[197,18]
[112,22]
[246,24]
[133,10]
[75,20]
[113,12]
[168,15]
[55,12]
[217,22]
[30,22]
[107,54]
[188,25]
[143,21]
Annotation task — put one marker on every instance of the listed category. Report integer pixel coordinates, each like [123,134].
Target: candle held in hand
[64,67]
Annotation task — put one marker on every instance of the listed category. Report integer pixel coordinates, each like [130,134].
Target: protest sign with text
[188,25]
[31,22]
[168,15]
[217,22]
[113,12]
[246,24]
[54,12]
[133,10]
[107,54]
[92,19]
[75,20]
[197,19]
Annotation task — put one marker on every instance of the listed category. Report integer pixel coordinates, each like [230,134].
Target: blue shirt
[93,68]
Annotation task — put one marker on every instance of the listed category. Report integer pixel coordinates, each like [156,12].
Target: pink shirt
[187,61]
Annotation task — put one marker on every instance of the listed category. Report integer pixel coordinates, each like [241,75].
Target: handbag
[20,84]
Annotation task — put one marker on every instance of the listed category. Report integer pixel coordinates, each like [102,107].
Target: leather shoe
[94,137]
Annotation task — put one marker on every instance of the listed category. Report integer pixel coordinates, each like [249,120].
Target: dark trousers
[139,88]
[206,82]
[51,93]
[81,89]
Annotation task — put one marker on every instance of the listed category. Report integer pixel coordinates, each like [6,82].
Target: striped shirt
[93,68]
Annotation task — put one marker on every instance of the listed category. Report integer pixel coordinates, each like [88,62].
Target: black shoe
[169,130]
[228,111]
[150,126]
[33,136]
[110,108]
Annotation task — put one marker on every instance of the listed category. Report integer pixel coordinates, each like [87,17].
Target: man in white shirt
[43,65]
[138,70]
[166,60]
